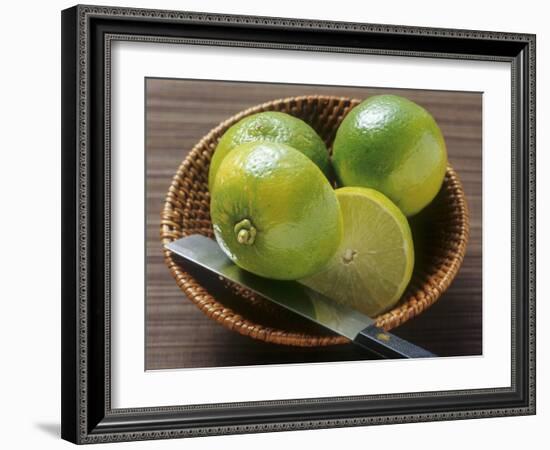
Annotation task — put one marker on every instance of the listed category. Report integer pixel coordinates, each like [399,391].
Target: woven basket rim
[214,309]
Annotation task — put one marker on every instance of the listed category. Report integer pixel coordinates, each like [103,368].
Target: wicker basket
[440,234]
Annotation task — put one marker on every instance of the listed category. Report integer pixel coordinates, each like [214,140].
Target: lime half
[374,263]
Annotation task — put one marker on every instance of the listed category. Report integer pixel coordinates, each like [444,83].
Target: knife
[359,328]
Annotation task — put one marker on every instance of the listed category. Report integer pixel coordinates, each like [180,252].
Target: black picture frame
[87,416]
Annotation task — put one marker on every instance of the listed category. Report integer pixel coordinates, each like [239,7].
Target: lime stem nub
[349,255]
[245,231]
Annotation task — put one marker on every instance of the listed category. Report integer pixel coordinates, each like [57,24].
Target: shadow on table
[53,429]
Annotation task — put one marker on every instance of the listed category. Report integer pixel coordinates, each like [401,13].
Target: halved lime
[374,263]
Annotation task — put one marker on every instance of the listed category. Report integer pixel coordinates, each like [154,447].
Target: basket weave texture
[440,234]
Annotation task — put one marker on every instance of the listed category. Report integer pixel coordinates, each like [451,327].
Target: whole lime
[274,213]
[393,145]
[271,126]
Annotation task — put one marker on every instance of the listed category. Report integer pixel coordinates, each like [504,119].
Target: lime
[393,145]
[271,126]
[274,212]
[374,263]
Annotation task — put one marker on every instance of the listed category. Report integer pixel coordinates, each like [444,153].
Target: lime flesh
[374,263]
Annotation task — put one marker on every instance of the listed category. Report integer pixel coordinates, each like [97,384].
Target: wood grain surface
[178,335]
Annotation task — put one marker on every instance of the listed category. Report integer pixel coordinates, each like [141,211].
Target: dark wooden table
[179,113]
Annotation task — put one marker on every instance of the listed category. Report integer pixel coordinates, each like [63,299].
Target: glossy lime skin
[271,126]
[393,145]
[282,203]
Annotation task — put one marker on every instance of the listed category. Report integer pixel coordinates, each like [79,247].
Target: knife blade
[359,328]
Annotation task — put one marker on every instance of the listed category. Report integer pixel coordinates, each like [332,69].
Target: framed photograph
[281,224]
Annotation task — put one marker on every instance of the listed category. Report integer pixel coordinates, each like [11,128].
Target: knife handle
[388,345]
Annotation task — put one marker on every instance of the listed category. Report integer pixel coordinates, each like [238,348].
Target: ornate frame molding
[80,423]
